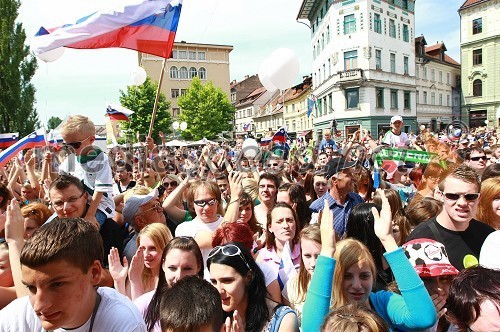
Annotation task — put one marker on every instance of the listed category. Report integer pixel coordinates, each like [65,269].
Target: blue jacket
[413,310]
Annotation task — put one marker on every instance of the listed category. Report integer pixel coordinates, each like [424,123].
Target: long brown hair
[311,233]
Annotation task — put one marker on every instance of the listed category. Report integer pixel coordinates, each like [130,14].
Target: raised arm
[233,207]
[14,235]
[170,203]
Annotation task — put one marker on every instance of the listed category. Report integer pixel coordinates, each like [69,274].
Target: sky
[83,81]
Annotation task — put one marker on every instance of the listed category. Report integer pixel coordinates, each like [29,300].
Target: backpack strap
[278,316]
[435,232]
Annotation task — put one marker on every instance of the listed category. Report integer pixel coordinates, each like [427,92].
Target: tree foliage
[206,109]
[17,67]
[141,99]
[53,122]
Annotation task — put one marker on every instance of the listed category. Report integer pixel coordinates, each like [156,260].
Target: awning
[304,133]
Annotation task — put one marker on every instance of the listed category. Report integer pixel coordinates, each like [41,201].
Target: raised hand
[236,325]
[328,242]
[439,300]
[235,184]
[118,271]
[383,224]
[14,225]
[136,266]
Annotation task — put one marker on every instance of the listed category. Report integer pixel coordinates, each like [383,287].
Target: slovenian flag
[280,135]
[8,139]
[265,141]
[33,140]
[118,113]
[147,26]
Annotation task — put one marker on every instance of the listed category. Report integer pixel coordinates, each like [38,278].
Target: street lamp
[176,125]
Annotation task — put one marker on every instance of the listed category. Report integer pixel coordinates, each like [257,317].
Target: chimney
[246,76]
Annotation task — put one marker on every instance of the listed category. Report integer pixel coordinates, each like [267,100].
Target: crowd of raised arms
[395,232]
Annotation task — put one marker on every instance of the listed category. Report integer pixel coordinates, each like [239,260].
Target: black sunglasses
[170,184]
[203,202]
[455,197]
[75,145]
[479,158]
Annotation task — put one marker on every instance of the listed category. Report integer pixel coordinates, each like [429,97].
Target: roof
[470,3]
[432,48]
[434,52]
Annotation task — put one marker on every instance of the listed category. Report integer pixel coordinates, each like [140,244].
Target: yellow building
[480,49]
[208,62]
[295,115]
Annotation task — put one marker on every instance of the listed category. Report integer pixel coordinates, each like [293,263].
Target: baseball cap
[429,258]
[336,165]
[396,118]
[134,203]
[489,251]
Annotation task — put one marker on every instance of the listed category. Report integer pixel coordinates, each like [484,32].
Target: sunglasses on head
[229,250]
[203,202]
[455,197]
[170,184]
[75,145]
[479,158]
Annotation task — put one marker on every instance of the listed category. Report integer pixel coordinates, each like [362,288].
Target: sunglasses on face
[270,165]
[479,158]
[75,145]
[455,197]
[229,250]
[170,184]
[203,202]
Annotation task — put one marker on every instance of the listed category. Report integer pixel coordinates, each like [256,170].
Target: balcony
[350,78]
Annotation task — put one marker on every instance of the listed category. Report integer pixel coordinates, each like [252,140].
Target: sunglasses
[156,207]
[203,202]
[455,197]
[479,158]
[170,184]
[75,145]
[229,250]
[270,165]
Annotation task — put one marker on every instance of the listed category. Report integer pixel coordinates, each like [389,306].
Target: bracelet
[233,202]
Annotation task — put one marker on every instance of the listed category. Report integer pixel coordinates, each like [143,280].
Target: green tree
[17,67]
[206,109]
[53,122]
[140,99]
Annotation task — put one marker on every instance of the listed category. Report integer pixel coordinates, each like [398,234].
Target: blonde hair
[348,253]
[354,317]
[490,190]
[251,187]
[78,123]
[311,233]
[161,236]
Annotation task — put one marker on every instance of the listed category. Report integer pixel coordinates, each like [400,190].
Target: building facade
[363,63]
[438,85]
[246,109]
[207,62]
[480,51]
[295,118]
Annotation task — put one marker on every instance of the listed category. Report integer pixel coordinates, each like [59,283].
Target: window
[406,33]
[477,26]
[425,97]
[192,55]
[440,76]
[433,98]
[440,99]
[448,78]
[182,55]
[174,93]
[378,59]
[406,100]
[379,95]
[202,56]
[417,71]
[405,65]
[192,72]
[314,52]
[417,97]
[183,73]
[324,71]
[393,63]
[404,4]
[202,73]
[352,96]
[394,98]
[183,92]
[377,23]
[350,60]
[174,73]
[349,24]
[322,41]
[318,49]
[477,88]
[392,29]
[433,75]
[424,69]
[327,34]
[329,67]
[477,56]
[448,100]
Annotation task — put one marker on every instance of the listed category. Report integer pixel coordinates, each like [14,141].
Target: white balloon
[51,55]
[175,125]
[284,67]
[250,148]
[264,75]
[184,125]
[138,76]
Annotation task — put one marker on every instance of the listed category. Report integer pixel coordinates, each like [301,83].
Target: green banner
[415,156]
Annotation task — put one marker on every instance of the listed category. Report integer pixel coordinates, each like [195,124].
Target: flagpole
[155,107]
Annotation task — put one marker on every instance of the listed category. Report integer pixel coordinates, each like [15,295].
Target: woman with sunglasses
[242,288]
[181,257]
[282,248]
[345,273]
[204,202]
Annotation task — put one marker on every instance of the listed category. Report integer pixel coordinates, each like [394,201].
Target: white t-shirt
[396,140]
[193,227]
[115,313]
[96,174]
[142,303]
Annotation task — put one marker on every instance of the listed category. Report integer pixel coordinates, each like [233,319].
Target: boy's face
[61,295]
[78,141]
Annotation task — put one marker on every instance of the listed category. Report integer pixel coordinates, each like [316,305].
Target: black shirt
[458,244]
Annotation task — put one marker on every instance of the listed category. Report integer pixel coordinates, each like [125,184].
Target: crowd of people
[391,233]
